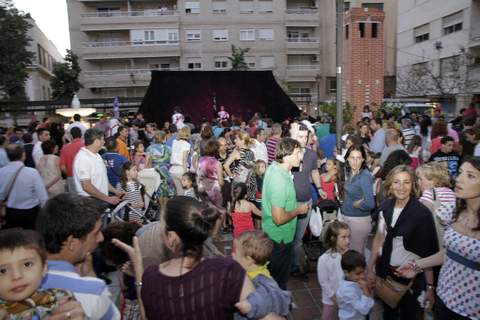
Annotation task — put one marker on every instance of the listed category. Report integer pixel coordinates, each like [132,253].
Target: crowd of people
[404,244]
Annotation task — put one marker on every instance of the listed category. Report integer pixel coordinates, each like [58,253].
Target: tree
[65,81]
[238,59]
[330,110]
[14,56]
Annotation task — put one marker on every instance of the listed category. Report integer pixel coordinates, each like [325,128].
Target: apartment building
[439,51]
[37,86]
[120,42]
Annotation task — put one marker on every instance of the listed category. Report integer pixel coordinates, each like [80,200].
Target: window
[372,5]
[266,62]
[165,66]
[331,85]
[221,63]
[346,31]
[149,36]
[108,12]
[265,34]
[421,33]
[247,34]
[193,35]
[192,7]
[361,29]
[346,6]
[374,30]
[250,61]
[220,35]
[265,6]
[194,63]
[452,23]
[246,6]
[219,6]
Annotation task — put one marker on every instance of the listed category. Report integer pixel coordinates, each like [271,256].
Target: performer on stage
[178,119]
[222,114]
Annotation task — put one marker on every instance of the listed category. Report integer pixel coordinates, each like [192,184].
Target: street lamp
[75,109]
[317,79]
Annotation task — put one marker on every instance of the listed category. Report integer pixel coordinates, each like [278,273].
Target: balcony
[122,20]
[304,72]
[302,17]
[303,45]
[119,78]
[130,49]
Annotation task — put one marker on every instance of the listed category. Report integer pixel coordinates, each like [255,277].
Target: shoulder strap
[11,183]
[462,260]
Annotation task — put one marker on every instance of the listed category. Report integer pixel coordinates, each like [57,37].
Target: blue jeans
[302,223]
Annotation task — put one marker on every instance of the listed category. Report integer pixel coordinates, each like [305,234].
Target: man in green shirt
[279,208]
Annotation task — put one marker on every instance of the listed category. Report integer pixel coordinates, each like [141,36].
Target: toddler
[133,189]
[242,210]
[252,249]
[328,179]
[139,155]
[414,150]
[354,298]
[329,270]
[189,185]
[22,267]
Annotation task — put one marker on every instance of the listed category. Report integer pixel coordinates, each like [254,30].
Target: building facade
[438,51]
[120,42]
[37,86]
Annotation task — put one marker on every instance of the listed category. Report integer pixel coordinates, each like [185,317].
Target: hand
[68,309]
[302,209]
[120,193]
[113,200]
[134,254]
[243,306]
[429,298]
[363,284]
[137,205]
[322,194]
[357,203]
[85,268]
[406,271]
[371,278]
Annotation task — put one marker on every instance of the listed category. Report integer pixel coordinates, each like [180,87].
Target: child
[132,188]
[242,210]
[252,249]
[414,150]
[189,185]
[139,155]
[447,155]
[354,298]
[328,180]
[329,271]
[22,267]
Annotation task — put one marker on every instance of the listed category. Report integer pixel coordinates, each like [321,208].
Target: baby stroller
[313,246]
[124,211]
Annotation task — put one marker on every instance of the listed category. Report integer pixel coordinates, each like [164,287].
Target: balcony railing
[303,67]
[142,13]
[302,10]
[120,72]
[304,40]
[128,43]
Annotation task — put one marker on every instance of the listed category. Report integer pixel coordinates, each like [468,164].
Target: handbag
[8,189]
[391,291]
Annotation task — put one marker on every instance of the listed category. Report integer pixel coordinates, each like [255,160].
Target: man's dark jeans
[280,263]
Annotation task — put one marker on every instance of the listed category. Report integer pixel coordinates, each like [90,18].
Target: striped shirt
[133,194]
[92,293]
[408,135]
[271,147]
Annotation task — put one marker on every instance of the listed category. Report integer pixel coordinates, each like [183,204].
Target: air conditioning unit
[315,59]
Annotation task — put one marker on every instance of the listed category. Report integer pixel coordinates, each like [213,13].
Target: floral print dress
[160,157]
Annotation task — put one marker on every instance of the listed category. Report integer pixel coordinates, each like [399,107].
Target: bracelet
[415,267]
[430,286]
[139,284]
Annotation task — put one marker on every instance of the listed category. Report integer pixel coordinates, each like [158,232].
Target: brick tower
[363,59]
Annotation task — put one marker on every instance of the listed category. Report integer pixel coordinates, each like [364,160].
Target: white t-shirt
[260,151]
[178,148]
[37,152]
[178,120]
[329,274]
[399,254]
[89,166]
[77,124]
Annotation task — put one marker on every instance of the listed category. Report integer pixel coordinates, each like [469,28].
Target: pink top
[242,221]
[207,167]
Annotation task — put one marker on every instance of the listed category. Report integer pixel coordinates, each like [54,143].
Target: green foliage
[14,56]
[330,109]
[65,77]
[238,59]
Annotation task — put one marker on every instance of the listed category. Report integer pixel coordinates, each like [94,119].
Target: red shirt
[68,153]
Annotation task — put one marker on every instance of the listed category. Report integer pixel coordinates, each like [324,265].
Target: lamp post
[339,57]
[317,79]
[75,108]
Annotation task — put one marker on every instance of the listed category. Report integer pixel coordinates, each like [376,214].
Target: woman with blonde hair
[405,231]
[241,163]
[179,158]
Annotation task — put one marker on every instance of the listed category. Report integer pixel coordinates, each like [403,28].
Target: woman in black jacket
[406,231]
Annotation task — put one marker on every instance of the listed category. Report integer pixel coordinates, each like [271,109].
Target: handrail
[304,39]
[102,44]
[125,71]
[139,13]
[302,10]
[303,67]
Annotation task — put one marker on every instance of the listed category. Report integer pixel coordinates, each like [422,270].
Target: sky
[51,17]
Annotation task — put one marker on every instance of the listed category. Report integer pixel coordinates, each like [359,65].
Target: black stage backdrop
[241,92]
